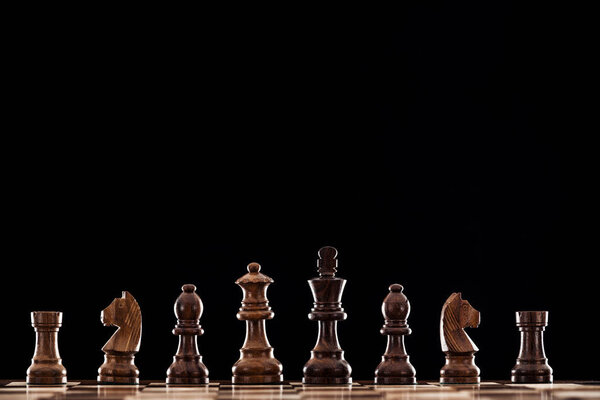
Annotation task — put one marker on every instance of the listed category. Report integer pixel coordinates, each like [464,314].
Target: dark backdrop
[434,149]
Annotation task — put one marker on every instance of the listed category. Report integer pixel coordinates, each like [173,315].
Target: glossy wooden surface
[532,364]
[257,363]
[294,390]
[395,367]
[187,366]
[458,347]
[46,366]
[119,352]
[327,364]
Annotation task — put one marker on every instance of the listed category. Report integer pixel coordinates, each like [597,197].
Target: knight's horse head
[458,314]
[469,317]
[125,313]
[114,314]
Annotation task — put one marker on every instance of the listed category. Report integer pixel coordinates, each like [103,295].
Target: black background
[436,149]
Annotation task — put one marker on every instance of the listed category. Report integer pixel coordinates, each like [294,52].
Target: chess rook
[119,352]
[257,364]
[327,364]
[187,367]
[395,368]
[460,350]
[46,366]
[532,364]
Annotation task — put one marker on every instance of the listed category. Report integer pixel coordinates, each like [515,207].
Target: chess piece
[532,364]
[460,350]
[187,367]
[257,363]
[327,364]
[395,367]
[46,366]
[119,351]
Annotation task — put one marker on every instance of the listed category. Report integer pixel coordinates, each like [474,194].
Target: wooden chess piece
[119,366]
[187,367]
[460,350]
[395,368]
[532,364]
[257,363]
[46,366]
[327,364]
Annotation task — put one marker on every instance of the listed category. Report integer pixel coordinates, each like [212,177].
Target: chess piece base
[531,379]
[459,379]
[395,370]
[46,381]
[257,365]
[187,370]
[187,381]
[316,380]
[460,368]
[47,372]
[327,368]
[531,371]
[118,369]
[394,380]
[257,379]
[117,380]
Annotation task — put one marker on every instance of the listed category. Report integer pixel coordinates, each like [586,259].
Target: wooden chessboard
[154,390]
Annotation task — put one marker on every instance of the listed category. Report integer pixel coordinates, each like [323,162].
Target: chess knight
[460,350]
[119,351]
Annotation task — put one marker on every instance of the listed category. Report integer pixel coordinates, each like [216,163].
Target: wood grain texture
[395,367]
[257,363]
[327,364]
[187,366]
[119,352]
[532,364]
[458,347]
[361,390]
[46,366]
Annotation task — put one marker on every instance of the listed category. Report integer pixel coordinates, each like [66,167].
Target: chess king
[460,350]
[119,366]
[327,364]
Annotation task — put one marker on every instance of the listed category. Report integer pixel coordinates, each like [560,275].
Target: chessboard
[155,390]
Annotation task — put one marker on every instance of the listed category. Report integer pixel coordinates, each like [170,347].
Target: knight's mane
[452,335]
[133,319]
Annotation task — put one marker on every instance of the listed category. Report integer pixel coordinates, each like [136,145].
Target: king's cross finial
[327,262]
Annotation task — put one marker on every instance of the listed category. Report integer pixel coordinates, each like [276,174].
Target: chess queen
[257,364]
